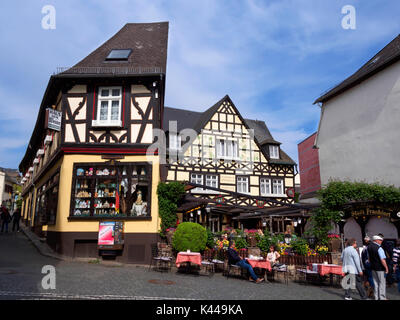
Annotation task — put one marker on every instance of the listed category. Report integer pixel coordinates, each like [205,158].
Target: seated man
[234,259]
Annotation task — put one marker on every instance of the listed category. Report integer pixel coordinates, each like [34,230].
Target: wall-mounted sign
[53,119]
[370,212]
[106,233]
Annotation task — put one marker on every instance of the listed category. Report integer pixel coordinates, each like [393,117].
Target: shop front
[94,191]
[369,220]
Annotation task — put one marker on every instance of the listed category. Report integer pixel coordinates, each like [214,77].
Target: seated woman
[234,259]
[273,255]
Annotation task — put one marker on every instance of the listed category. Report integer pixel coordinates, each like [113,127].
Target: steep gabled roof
[197,120]
[384,58]
[148,42]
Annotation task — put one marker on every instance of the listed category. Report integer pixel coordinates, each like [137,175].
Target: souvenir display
[96,194]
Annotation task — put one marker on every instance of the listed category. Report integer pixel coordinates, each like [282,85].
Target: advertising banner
[106,233]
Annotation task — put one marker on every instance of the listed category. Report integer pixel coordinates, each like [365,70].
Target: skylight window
[119,54]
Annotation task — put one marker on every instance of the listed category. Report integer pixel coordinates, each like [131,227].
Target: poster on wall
[106,233]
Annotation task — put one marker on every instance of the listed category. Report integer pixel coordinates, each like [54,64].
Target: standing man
[352,268]
[5,218]
[16,217]
[396,258]
[367,265]
[379,268]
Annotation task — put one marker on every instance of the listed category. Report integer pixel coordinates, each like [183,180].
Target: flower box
[40,152]
[48,139]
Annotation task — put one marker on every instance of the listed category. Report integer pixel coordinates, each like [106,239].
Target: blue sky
[273,58]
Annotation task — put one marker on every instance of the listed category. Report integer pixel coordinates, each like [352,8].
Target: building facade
[238,159]
[358,134]
[87,166]
[309,170]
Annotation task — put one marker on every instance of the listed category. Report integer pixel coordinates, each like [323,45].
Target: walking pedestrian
[352,269]
[366,265]
[5,218]
[16,217]
[396,258]
[379,268]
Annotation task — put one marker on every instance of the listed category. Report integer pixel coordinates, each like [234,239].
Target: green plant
[300,246]
[189,236]
[241,243]
[210,239]
[168,196]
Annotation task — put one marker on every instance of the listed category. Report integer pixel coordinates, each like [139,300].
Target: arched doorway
[353,230]
[377,225]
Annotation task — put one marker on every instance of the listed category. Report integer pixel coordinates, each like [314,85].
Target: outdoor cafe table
[192,257]
[262,264]
[325,269]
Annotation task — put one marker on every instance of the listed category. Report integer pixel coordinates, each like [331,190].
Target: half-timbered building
[236,170]
[86,161]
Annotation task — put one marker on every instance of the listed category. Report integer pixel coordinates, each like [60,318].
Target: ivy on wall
[339,193]
[168,196]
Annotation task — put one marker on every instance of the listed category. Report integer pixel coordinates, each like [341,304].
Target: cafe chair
[158,261]
[207,262]
[281,269]
[305,275]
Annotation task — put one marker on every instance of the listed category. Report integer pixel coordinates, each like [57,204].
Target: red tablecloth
[264,264]
[193,257]
[324,269]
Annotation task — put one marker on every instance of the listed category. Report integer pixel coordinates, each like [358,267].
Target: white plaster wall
[359,132]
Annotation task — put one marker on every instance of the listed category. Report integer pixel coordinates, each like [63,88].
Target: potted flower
[322,250]
[334,242]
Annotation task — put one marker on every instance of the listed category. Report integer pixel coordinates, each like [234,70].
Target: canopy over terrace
[242,210]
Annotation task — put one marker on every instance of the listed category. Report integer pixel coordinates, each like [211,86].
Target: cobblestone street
[20,278]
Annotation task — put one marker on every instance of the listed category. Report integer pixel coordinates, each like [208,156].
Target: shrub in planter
[300,246]
[190,236]
[210,239]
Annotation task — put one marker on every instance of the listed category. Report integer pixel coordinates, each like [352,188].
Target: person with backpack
[367,266]
[5,218]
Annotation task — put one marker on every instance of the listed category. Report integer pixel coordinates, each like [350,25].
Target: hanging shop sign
[53,119]
[290,192]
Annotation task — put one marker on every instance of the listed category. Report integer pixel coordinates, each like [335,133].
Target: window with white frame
[265,186]
[109,104]
[242,184]
[197,179]
[227,149]
[175,141]
[274,152]
[269,186]
[277,186]
[212,180]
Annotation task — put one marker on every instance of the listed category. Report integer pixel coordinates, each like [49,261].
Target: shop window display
[119,190]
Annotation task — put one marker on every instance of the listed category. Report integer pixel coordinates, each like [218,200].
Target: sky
[274,58]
